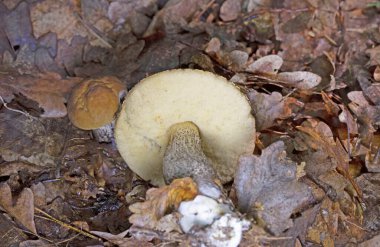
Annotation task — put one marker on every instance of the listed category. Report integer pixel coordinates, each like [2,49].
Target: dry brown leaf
[172,15]
[370,184]
[371,242]
[230,10]
[10,235]
[213,46]
[49,91]
[268,65]
[368,115]
[267,188]
[22,209]
[319,142]
[346,117]
[57,17]
[62,18]
[326,227]
[160,200]
[120,239]
[17,26]
[267,108]
[299,79]
[331,107]
[370,90]
[374,54]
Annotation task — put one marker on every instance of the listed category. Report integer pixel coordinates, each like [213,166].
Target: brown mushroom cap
[94,102]
[218,108]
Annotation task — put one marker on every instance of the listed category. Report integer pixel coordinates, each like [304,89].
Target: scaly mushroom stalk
[184,156]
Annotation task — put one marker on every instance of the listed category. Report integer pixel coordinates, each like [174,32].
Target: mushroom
[93,103]
[184,122]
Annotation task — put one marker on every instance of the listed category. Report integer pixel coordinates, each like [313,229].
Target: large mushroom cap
[215,105]
[94,102]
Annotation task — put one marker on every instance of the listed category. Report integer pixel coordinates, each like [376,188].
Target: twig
[15,110]
[38,236]
[51,218]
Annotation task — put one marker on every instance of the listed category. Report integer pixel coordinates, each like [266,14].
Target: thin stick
[51,218]
[15,110]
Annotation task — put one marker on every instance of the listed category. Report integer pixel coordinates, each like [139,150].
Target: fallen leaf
[267,188]
[119,10]
[301,225]
[213,46]
[368,115]
[25,138]
[300,79]
[337,152]
[372,160]
[58,17]
[160,200]
[230,10]
[18,27]
[327,227]
[173,15]
[4,41]
[120,239]
[49,91]
[370,90]
[22,209]
[268,65]
[267,108]
[347,118]
[236,60]
[10,234]
[371,242]
[376,73]
[374,54]
[36,243]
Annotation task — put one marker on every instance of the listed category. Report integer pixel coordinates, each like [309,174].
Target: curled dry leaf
[267,108]
[49,91]
[160,200]
[267,188]
[22,209]
[268,65]
[299,79]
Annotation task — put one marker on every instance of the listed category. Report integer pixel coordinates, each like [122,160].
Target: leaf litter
[310,71]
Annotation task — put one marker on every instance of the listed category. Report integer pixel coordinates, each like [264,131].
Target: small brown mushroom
[184,123]
[93,103]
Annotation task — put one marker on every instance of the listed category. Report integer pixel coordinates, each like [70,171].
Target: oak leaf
[22,209]
[160,200]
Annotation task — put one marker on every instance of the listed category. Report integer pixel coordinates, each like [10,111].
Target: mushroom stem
[184,156]
[104,133]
